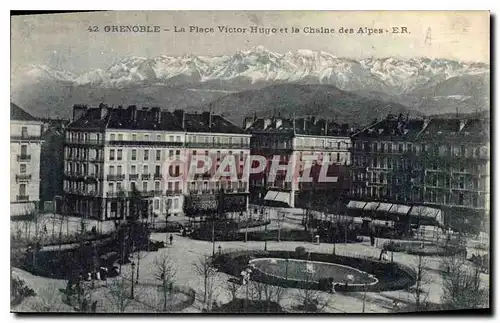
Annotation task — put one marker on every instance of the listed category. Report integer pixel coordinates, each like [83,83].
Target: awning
[283,197]
[427,212]
[384,207]
[400,209]
[271,195]
[357,205]
[370,206]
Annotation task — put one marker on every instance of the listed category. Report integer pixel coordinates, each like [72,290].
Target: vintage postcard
[250,162]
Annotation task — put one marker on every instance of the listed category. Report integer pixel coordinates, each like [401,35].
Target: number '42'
[93,29]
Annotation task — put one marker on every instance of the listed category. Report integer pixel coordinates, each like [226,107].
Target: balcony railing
[85,141]
[218,145]
[119,177]
[133,177]
[23,177]
[23,158]
[26,137]
[22,198]
[145,176]
[173,192]
[158,176]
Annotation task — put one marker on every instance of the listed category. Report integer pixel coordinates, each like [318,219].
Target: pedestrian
[45,229]
[171,238]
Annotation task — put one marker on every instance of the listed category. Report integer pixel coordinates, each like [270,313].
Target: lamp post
[286,268]
[265,239]
[132,279]
[246,227]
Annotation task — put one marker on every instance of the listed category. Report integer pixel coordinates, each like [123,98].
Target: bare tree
[232,290]
[267,293]
[462,288]
[310,300]
[422,278]
[165,272]
[204,267]
[119,294]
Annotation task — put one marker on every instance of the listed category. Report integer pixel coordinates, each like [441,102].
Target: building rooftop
[153,118]
[16,113]
[297,126]
[404,128]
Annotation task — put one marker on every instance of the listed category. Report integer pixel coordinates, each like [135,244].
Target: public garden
[285,271]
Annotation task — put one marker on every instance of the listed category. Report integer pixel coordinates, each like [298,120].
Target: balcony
[133,177]
[147,193]
[22,198]
[219,145]
[25,137]
[23,177]
[23,158]
[158,176]
[85,141]
[173,192]
[119,177]
[157,193]
[145,176]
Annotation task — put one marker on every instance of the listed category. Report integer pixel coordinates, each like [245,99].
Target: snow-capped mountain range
[259,67]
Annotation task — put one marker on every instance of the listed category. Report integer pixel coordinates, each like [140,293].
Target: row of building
[95,162]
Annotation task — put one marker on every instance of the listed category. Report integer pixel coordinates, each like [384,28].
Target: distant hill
[325,101]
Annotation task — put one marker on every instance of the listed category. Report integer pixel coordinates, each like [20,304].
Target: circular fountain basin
[312,271]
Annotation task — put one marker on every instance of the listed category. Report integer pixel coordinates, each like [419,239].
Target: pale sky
[63,41]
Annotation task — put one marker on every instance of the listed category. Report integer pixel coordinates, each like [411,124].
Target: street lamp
[132,279]
[286,268]
[265,239]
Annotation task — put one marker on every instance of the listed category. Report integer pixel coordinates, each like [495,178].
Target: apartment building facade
[25,147]
[442,163]
[301,146]
[112,152]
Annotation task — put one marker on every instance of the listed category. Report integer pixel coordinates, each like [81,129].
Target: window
[157,186]
[241,155]
[144,186]
[157,204]
[22,189]
[22,168]
[133,187]
[178,138]
[118,186]
[111,170]
[134,137]
[119,154]
[145,169]
[177,170]
[460,198]
[157,170]
[171,138]
[112,137]
[24,150]
[176,203]
[111,154]
[24,131]
[120,137]
[177,154]
[146,154]
[119,170]
[146,137]
[194,152]
[158,155]
[170,153]
[133,170]
[111,187]
[400,148]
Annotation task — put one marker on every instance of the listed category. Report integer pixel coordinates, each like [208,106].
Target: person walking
[171,238]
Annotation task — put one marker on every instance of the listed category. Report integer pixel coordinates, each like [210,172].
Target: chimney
[326,127]
[132,113]
[207,118]
[79,111]
[156,111]
[181,115]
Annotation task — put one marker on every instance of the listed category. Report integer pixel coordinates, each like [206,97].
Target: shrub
[300,251]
